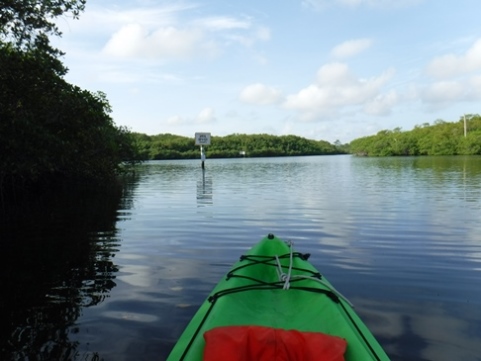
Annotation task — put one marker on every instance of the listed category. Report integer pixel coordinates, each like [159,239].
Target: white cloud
[222,23]
[338,89]
[263,33]
[260,94]
[163,32]
[100,19]
[206,115]
[260,59]
[382,104]
[248,39]
[475,87]
[458,78]
[350,48]
[443,92]
[451,65]
[335,74]
[135,41]
[175,120]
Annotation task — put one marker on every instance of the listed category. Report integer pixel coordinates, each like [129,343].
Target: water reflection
[446,175]
[423,330]
[398,236]
[57,258]
[204,190]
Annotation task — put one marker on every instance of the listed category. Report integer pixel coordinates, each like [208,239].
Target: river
[117,275]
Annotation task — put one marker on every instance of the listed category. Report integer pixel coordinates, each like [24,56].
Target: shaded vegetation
[51,131]
[57,247]
[169,146]
[440,138]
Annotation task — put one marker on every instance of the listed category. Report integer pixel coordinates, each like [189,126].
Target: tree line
[169,146]
[50,131]
[440,138]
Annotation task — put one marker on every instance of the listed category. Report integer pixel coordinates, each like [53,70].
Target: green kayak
[274,293]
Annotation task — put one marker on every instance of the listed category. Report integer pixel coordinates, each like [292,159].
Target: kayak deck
[274,286]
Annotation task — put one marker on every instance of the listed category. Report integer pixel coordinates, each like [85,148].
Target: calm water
[117,276]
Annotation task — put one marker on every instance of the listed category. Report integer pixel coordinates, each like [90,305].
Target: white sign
[202,138]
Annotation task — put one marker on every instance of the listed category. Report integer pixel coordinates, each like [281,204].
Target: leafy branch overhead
[27,24]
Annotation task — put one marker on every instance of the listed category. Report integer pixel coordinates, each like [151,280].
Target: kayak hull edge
[254,293]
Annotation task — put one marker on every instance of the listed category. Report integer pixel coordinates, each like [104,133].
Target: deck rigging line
[286,281]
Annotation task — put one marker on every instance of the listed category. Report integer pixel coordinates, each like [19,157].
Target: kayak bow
[273,290]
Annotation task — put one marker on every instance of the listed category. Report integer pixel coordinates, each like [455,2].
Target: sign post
[202,139]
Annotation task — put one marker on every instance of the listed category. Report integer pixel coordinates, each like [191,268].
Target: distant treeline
[440,138]
[169,146]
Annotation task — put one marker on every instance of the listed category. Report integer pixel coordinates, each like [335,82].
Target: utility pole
[465,129]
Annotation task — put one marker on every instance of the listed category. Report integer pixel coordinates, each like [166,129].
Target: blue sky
[321,69]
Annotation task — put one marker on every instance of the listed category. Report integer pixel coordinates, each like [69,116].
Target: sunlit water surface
[399,237]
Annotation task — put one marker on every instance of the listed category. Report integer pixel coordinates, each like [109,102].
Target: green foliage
[27,23]
[342,148]
[52,130]
[441,138]
[169,146]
